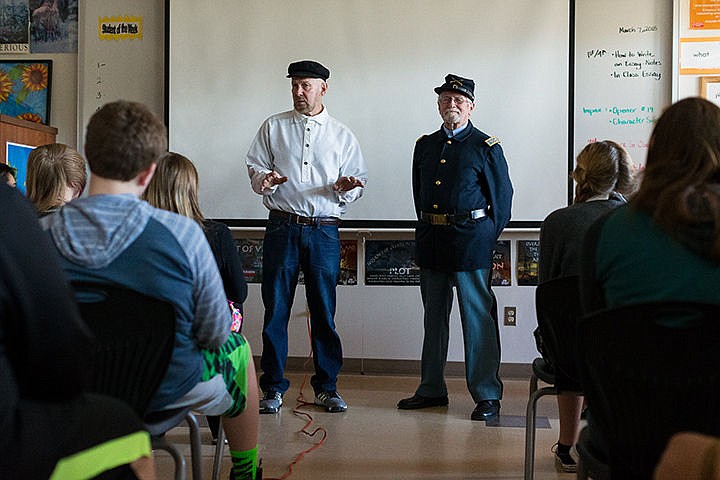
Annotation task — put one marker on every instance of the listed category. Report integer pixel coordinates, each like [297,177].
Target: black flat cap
[307,69]
[454,83]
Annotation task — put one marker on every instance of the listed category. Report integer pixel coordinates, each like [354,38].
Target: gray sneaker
[270,402]
[331,401]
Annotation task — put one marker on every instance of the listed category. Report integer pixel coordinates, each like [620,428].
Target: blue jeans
[288,248]
[480,332]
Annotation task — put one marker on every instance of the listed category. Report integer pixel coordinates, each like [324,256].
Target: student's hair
[50,169]
[124,138]
[6,169]
[602,168]
[681,182]
[174,187]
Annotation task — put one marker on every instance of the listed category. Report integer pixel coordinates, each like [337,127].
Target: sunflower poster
[25,89]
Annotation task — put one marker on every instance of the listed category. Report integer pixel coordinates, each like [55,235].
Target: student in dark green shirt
[665,244]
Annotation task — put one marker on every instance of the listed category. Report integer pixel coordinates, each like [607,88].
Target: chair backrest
[557,306]
[649,371]
[135,337]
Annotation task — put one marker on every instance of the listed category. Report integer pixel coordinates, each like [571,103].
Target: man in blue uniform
[463,194]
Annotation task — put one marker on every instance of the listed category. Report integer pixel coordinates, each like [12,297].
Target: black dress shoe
[418,401]
[486,409]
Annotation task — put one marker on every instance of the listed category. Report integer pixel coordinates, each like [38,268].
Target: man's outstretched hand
[345,184]
[271,179]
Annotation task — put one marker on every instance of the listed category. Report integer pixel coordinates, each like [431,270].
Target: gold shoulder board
[492,141]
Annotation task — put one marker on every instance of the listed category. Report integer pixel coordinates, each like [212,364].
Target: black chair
[648,371]
[557,305]
[135,338]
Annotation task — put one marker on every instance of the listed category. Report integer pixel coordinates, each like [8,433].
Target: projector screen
[227,62]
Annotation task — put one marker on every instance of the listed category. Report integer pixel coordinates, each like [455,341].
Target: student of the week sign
[120,28]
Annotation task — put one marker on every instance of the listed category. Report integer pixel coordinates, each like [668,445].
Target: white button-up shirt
[312,152]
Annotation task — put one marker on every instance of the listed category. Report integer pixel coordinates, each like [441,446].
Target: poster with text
[348,262]
[391,262]
[501,264]
[14,31]
[251,250]
[528,255]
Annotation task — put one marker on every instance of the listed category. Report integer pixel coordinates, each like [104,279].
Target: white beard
[452,117]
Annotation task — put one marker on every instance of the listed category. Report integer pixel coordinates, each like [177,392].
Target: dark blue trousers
[289,248]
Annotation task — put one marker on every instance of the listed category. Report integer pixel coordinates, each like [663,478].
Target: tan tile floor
[375,440]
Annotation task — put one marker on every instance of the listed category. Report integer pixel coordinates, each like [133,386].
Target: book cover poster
[391,262]
[251,250]
[528,253]
[14,26]
[501,264]
[348,262]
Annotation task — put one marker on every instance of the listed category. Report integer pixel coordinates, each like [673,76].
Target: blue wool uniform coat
[456,175]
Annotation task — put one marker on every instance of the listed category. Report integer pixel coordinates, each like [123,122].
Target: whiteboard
[227,67]
[623,71]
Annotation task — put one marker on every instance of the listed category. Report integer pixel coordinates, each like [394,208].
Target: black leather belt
[451,218]
[300,220]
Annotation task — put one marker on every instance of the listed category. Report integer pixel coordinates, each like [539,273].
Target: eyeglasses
[459,100]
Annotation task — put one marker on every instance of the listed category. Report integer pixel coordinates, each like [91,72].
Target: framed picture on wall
[710,88]
[25,89]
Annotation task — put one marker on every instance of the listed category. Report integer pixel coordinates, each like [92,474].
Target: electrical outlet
[510,317]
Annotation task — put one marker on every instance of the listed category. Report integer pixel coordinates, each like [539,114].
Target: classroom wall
[381,322]
[374,322]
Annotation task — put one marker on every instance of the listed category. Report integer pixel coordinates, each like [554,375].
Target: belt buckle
[300,220]
[438,218]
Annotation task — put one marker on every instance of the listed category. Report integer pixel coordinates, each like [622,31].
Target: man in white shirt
[307,166]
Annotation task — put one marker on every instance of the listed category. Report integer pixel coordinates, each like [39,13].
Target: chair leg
[195,446]
[533,384]
[530,425]
[582,473]
[159,443]
[219,450]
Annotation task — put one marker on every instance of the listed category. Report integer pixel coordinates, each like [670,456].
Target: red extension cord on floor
[301,402]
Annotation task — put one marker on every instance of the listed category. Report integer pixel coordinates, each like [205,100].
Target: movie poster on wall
[251,251]
[14,26]
[391,262]
[348,262]
[528,256]
[501,264]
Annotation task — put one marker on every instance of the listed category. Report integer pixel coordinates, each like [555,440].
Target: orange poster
[704,14]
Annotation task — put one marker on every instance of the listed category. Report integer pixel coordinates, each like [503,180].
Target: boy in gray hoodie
[112,236]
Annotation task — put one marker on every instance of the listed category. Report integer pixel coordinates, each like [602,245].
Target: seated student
[8,175]
[113,236]
[174,187]
[50,428]
[603,172]
[55,175]
[665,243]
